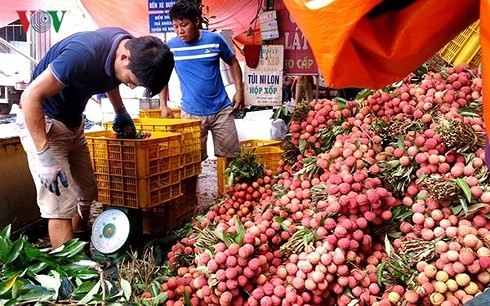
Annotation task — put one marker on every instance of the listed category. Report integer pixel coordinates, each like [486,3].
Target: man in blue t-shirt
[51,124]
[197,55]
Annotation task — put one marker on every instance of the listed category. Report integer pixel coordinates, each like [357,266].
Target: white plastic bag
[279,129]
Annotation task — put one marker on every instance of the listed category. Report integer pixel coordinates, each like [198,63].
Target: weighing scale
[113,231]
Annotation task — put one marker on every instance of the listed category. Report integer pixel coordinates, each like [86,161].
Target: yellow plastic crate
[189,128]
[251,143]
[134,157]
[476,60]
[464,47]
[138,192]
[136,173]
[163,218]
[190,170]
[190,158]
[271,156]
[156,113]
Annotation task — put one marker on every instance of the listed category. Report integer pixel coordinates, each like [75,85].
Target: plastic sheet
[358,44]
[485,47]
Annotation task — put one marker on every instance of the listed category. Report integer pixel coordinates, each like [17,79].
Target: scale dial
[110,231]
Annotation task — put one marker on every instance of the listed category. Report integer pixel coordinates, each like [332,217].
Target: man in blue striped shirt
[197,55]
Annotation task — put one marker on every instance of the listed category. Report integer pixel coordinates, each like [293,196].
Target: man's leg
[225,135]
[79,222]
[83,176]
[58,208]
[60,231]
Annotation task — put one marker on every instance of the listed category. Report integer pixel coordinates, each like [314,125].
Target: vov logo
[40,21]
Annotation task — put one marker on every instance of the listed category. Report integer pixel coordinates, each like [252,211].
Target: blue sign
[160,5]
[160,23]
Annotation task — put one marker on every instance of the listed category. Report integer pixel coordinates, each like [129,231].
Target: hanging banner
[263,84]
[298,55]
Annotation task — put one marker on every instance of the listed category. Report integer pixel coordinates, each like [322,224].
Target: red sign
[298,56]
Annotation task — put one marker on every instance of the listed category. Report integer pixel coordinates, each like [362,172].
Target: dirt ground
[207,186]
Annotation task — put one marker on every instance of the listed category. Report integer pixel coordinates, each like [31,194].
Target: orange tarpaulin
[485,47]
[353,49]
[133,15]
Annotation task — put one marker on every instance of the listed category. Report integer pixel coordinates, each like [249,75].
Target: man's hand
[238,101]
[166,112]
[124,125]
[50,171]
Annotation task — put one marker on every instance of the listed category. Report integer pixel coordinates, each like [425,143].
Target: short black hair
[185,9]
[151,62]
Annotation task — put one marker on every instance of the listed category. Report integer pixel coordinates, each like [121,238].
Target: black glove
[124,125]
[50,171]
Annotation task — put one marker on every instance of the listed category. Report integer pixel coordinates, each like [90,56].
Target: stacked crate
[169,215]
[464,48]
[269,152]
[190,129]
[163,218]
[156,113]
[136,173]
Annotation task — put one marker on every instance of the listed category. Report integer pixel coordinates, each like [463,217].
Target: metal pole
[8,45]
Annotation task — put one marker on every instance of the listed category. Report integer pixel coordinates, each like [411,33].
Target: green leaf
[82,289]
[284,226]
[240,231]
[155,288]
[395,234]
[224,236]
[31,252]
[160,298]
[465,187]
[66,288]
[58,250]
[302,145]
[35,293]
[456,209]
[213,283]
[401,142]
[90,295]
[393,163]
[187,299]
[69,249]
[50,282]
[476,207]
[203,270]
[7,284]
[353,302]
[14,251]
[363,94]
[348,293]
[341,102]
[388,246]
[126,288]
[464,205]
[6,232]
[16,288]
[4,248]
[379,274]
[77,249]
